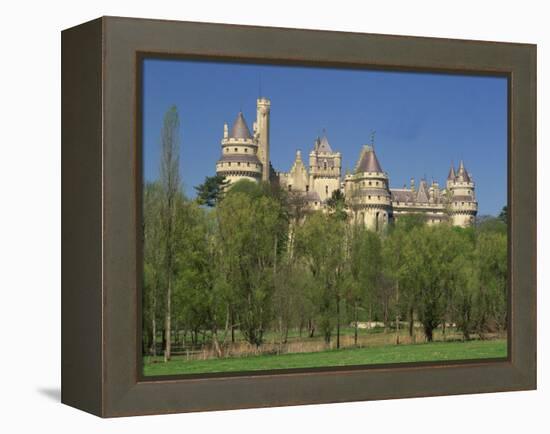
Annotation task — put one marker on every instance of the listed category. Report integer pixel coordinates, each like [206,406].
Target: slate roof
[240,129]
[322,145]
[422,196]
[404,195]
[368,161]
[452,174]
[240,158]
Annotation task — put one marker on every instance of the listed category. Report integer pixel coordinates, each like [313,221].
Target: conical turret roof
[368,161]
[240,129]
[452,174]
[462,173]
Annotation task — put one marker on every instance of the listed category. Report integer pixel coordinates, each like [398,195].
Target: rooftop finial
[372,134]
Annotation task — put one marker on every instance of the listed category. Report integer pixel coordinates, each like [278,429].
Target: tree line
[254,259]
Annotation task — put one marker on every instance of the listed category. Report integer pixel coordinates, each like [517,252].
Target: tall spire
[452,174]
[462,173]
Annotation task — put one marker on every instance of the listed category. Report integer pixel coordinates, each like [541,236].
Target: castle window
[462,203]
[245,149]
[229,164]
[236,149]
[370,183]
[239,163]
[378,197]
[289,187]
[369,197]
[248,164]
[307,188]
[326,189]
[325,165]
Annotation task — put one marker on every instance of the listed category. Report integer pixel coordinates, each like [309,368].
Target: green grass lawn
[425,352]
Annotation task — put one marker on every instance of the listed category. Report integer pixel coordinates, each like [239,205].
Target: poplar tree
[170,184]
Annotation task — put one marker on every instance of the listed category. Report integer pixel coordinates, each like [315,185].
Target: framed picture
[262,217]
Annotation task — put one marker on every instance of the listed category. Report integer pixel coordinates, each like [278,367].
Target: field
[422,352]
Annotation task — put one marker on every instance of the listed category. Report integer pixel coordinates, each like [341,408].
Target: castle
[369,198]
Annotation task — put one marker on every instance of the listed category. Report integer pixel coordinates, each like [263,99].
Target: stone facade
[369,198]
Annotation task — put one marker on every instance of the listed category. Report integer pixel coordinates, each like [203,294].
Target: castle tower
[239,158]
[462,204]
[325,169]
[367,191]
[261,134]
[297,179]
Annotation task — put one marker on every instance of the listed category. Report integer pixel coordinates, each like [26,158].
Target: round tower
[462,201]
[367,191]
[239,158]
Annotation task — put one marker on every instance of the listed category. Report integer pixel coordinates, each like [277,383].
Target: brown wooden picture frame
[101,221]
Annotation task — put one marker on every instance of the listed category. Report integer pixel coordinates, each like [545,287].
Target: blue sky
[423,121]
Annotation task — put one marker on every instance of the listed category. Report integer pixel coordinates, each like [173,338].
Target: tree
[503,216]
[337,205]
[409,266]
[153,278]
[250,232]
[365,266]
[321,243]
[210,192]
[170,184]
[491,257]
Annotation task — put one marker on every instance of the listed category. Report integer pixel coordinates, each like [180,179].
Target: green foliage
[321,242]
[210,192]
[257,261]
[250,231]
[503,216]
[337,205]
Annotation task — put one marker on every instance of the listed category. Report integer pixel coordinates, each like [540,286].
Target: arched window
[289,187]
[326,189]
[325,165]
